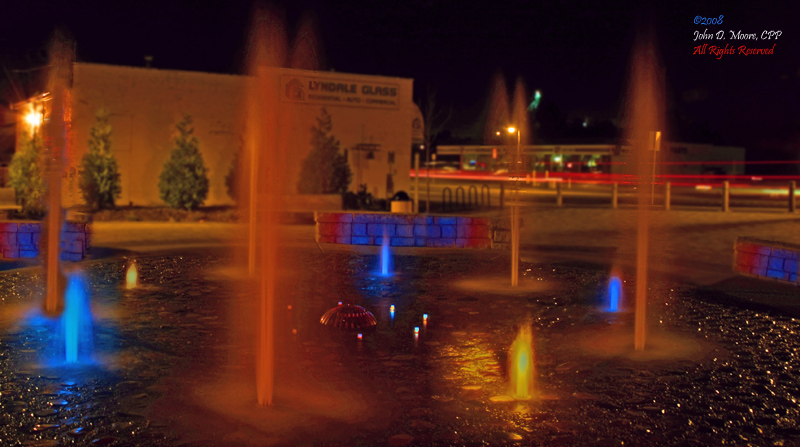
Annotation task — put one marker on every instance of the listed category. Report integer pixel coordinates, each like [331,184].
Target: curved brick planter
[22,240]
[410,230]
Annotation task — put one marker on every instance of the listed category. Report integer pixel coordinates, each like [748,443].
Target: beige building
[373,118]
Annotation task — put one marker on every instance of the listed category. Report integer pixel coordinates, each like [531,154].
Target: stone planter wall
[410,230]
[22,240]
[766,259]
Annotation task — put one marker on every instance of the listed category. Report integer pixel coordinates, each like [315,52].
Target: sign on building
[326,91]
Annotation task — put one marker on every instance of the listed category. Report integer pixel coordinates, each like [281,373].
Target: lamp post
[515,209]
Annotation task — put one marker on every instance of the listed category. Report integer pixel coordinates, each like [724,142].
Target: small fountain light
[360,337]
[132,277]
[391,312]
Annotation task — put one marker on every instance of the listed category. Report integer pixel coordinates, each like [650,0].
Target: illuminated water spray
[644,122]
[76,320]
[521,367]
[266,129]
[55,151]
[132,277]
[386,256]
[614,293]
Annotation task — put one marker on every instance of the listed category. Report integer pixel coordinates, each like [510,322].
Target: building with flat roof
[673,158]
[373,118]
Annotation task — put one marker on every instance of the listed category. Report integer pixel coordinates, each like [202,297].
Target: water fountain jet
[76,320]
[385,254]
[59,81]
[132,277]
[614,293]
[644,124]
[521,366]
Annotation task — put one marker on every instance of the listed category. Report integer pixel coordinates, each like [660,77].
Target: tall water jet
[76,320]
[614,293]
[307,50]
[266,146]
[516,170]
[521,366]
[385,254]
[644,124]
[498,113]
[59,84]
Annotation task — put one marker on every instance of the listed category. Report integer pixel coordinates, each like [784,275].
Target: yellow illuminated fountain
[132,277]
[521,367]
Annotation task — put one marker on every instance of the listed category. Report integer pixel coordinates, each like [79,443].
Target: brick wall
[410,230]
[766,259]
[23,240]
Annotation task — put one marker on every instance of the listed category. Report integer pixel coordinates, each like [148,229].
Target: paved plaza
[174,357]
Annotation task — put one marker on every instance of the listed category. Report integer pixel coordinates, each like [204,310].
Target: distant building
[673,158]
[372,117]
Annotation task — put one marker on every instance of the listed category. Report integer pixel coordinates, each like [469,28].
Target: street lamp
[34,119]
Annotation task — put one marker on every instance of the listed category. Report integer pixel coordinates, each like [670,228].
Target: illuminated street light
[511,129]
[34,119]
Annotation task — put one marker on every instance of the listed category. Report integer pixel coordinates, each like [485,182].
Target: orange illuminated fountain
[266,122]
[132,277]
[516,169]
[507,122]
[644,124]
[521,367]
[59,83]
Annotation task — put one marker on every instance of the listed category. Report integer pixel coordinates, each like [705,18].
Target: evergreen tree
[99,178]
[325,170]
[25,175]
[183,182]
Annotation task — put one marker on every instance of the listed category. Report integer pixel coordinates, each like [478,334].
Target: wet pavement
[174,359]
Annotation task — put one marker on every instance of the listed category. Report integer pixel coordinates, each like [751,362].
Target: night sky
[577,53]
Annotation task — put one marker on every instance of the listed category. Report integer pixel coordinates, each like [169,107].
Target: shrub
[99,179]
[25,175]
[183,182]
[325,170]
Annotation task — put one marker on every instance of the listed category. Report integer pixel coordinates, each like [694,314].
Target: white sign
[327,91]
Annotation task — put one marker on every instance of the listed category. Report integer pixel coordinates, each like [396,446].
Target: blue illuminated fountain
[386,255]
[75,323]
[614,293]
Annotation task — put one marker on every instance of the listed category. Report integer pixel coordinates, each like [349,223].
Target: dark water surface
[173,354]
